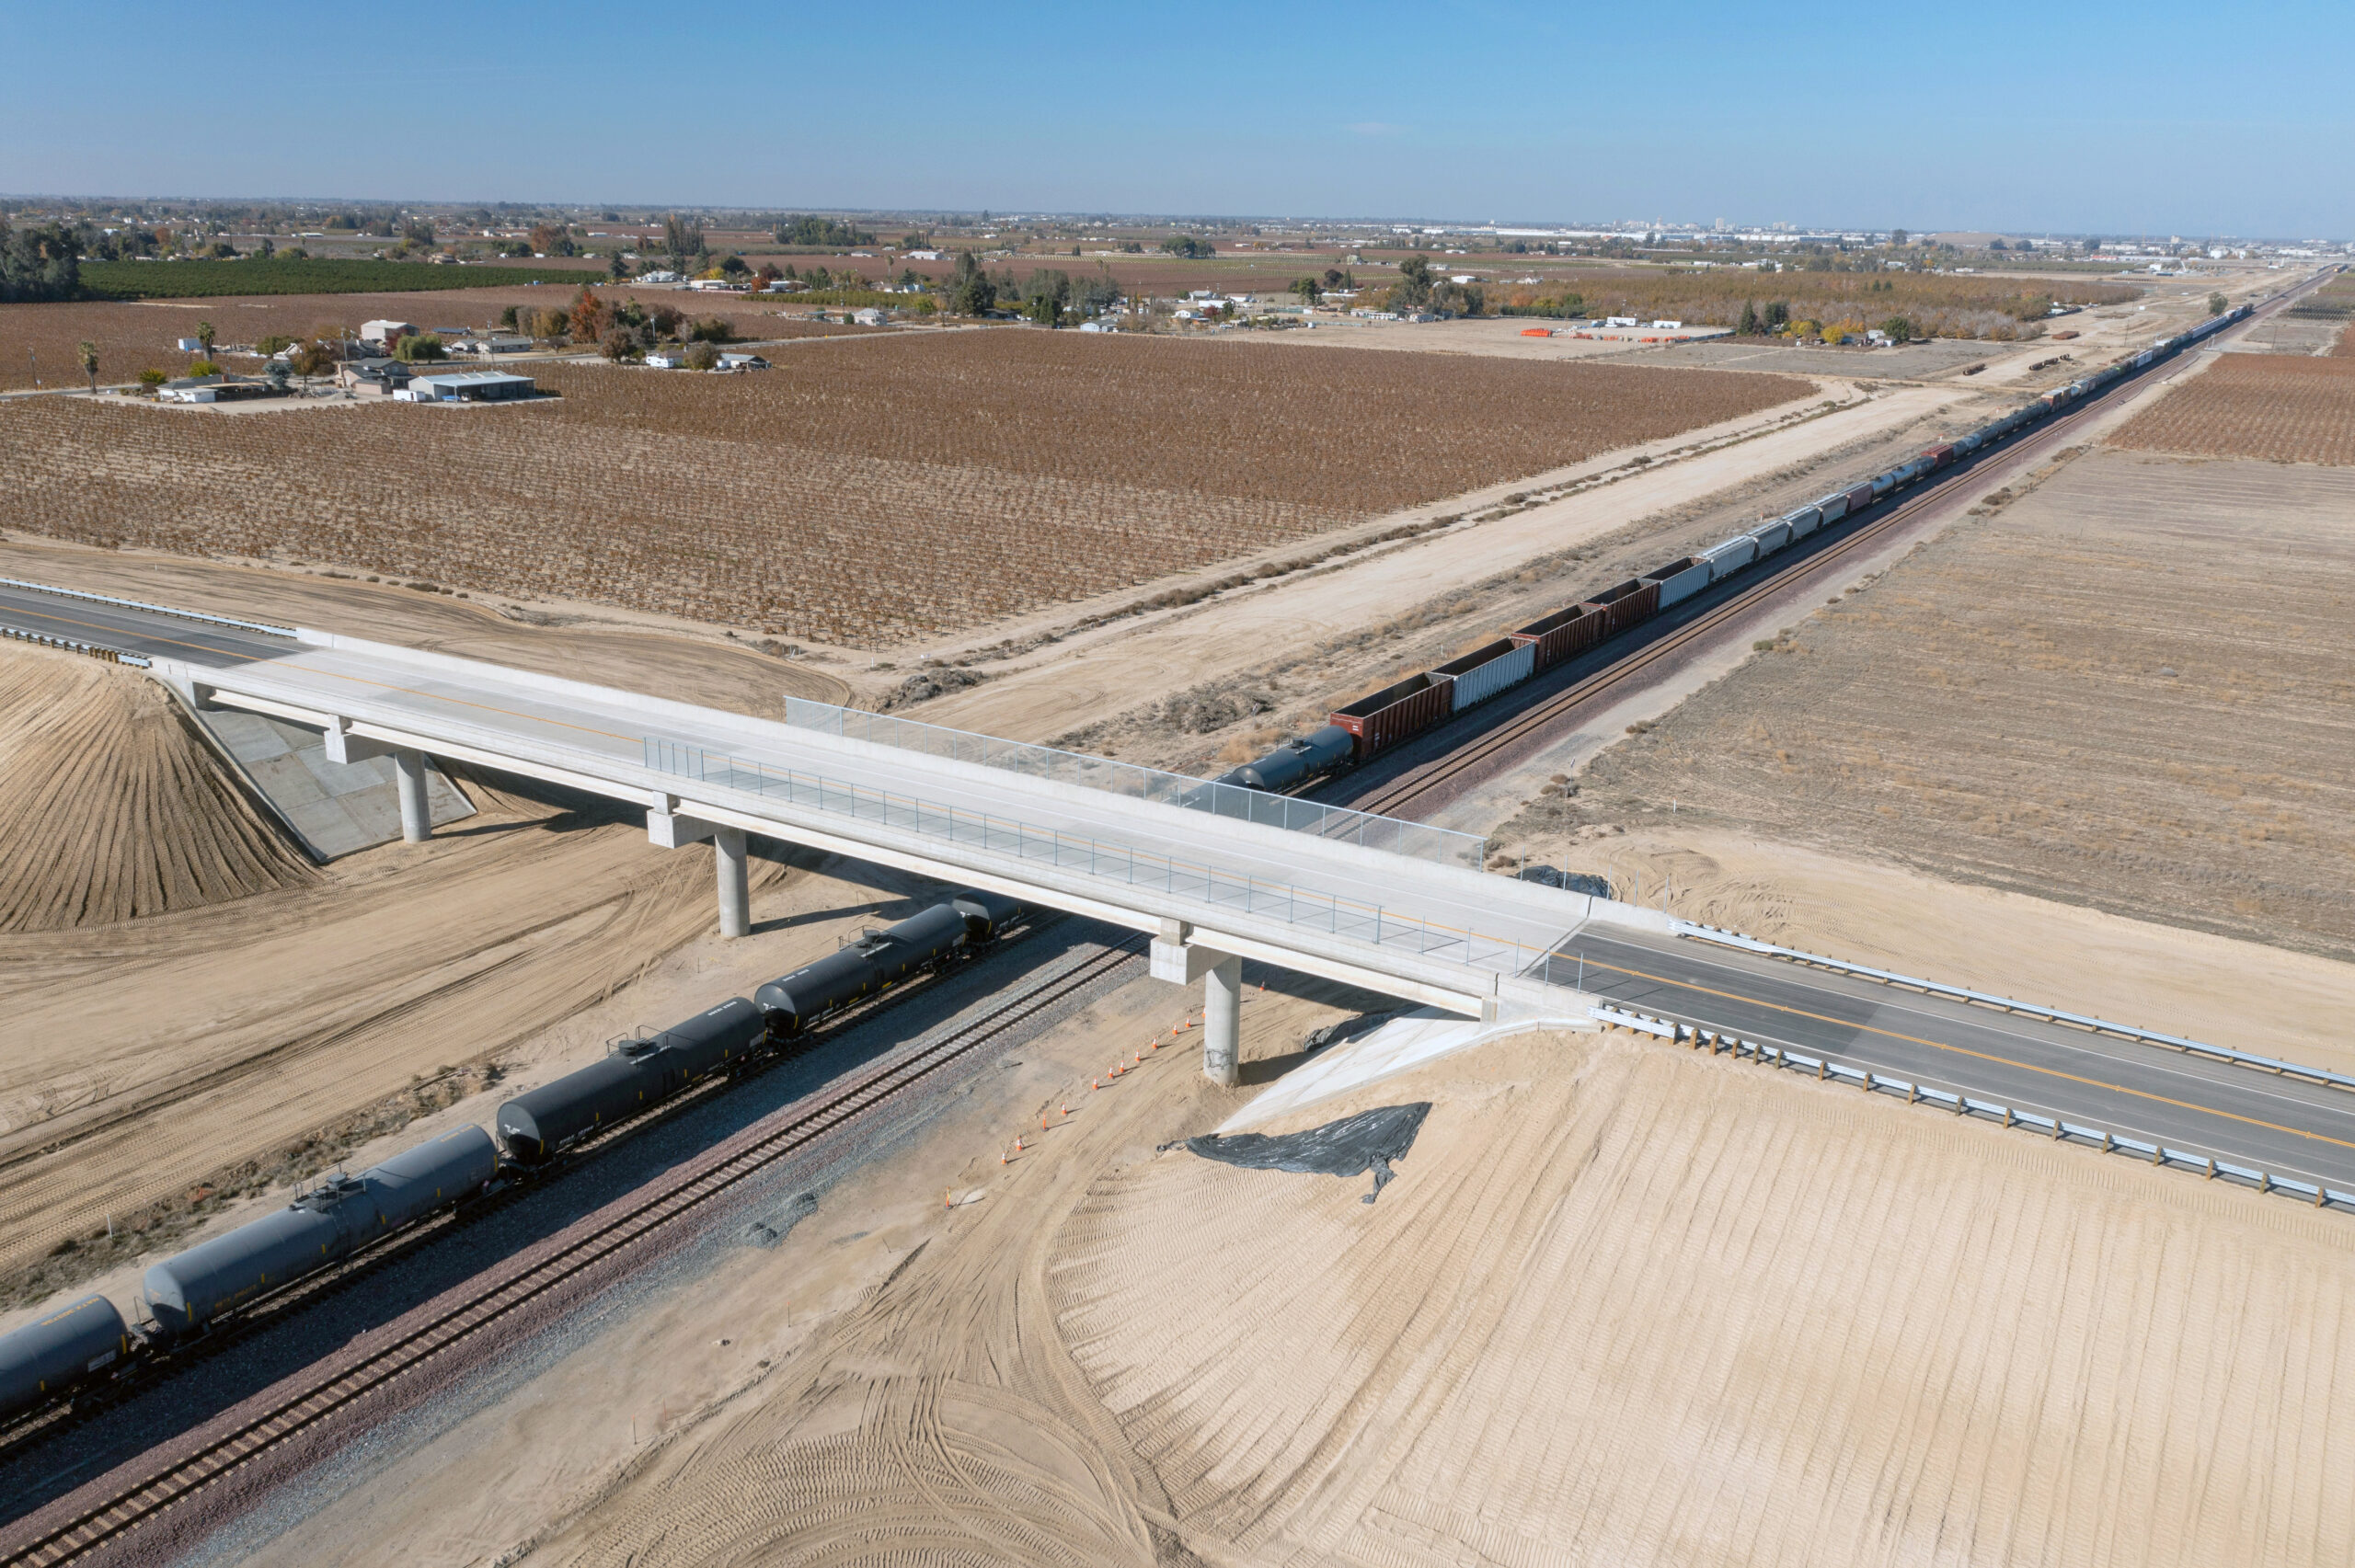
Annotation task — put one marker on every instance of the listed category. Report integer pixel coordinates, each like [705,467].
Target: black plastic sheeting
[1367,1142]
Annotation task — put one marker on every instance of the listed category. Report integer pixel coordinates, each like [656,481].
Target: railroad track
[1468,762]
[109,1520]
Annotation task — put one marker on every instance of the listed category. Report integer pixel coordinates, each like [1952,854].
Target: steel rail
[101,1523]
[1451,767]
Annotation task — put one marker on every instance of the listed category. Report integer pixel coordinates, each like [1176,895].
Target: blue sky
[2105,116]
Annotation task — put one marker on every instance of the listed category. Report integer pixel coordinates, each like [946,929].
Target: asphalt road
[2281,1125]
[150,634]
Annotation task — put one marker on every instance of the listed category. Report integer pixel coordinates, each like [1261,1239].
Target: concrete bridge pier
[735,883]
[1175,959]
[1222,1021]
[668,829]
[417,811]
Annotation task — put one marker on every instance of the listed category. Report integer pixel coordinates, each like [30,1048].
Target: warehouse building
[468,386]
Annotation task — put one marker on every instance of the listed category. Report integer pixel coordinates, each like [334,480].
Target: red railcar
[1396,712]
[1564,634]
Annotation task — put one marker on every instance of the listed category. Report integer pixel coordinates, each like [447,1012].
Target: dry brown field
[906,485]
[132,335]
[2129,690]
[2276,407]
[1937,305]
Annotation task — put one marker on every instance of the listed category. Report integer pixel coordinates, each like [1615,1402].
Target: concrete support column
[1222,1020]
[735,885]
[417,811]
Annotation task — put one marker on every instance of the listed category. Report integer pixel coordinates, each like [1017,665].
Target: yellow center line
[117,631]
[1982,1056]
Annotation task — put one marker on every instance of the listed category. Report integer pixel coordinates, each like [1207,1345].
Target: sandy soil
[273,1031]
[1622,1305]
[111,807]
[1079,678]
[2123,690]
[926,1429]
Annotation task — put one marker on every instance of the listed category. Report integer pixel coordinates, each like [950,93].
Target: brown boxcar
[1626,604]
[1396,713]
[1563,634]
[1859,498]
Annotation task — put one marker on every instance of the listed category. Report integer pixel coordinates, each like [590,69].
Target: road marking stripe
[1982,1056]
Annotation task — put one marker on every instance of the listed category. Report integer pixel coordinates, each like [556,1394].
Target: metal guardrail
[150,609]
[1370,923]
[67,644]
[1917,1093]
[1337,823]
[1985,999]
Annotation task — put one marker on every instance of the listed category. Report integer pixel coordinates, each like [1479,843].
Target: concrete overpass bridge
[1213,874]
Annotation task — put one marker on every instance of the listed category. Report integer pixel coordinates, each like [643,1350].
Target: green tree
[702,356]
[89,352]
[1414,281]
[267,248]
[2092,244]
[1778,315]
[271,344]
[1309,290]
[203,367]
[2216,304]
[1750,326]
[1896,236]
[151,378]
[204,338]
[1190,246]
[417,346]
[971,292]
[616,268]
[712,329]
[1897,329]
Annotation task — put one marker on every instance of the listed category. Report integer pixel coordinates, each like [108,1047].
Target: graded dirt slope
[1621,1305]
[1629,1306]
[2129,690]
[111,807]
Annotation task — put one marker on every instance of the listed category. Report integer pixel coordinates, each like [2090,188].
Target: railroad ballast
[194,1290]
[1407,708]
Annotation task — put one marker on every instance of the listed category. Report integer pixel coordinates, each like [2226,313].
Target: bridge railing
[1336,822]
[1347,917]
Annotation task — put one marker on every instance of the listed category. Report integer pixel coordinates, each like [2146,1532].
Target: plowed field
[2282,408]
[906,485]
[2129,690]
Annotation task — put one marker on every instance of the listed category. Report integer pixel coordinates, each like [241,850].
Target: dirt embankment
[2126,690]
[1622,1304]
[111,807]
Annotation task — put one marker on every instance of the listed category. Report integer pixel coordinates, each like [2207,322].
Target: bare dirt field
[1230,672]
[2125,691]
[611,647]
[133,335]
[172,1059]
[2279,408]
[1621,1305]
[112,808]
[901,485]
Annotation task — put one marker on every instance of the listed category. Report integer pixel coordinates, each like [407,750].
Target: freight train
[1398,712]
[193,1291]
